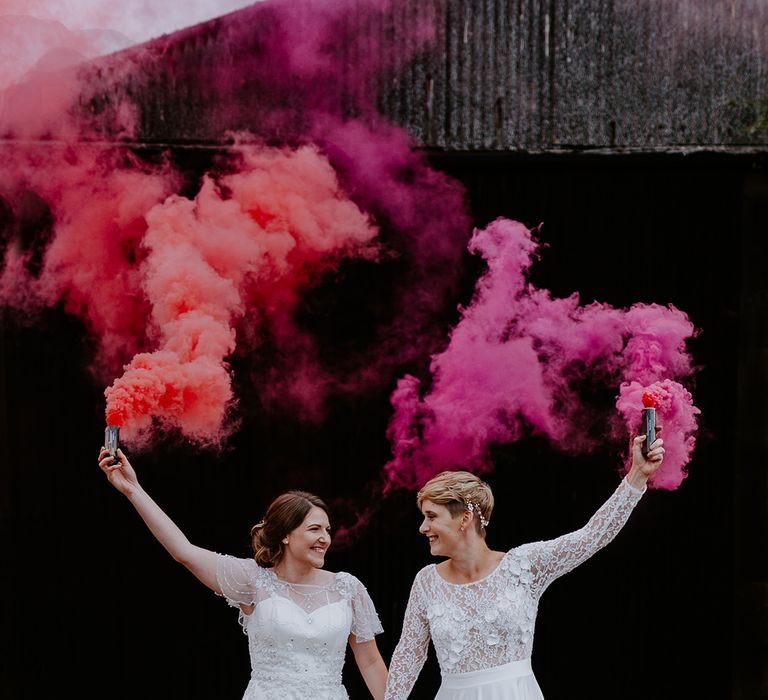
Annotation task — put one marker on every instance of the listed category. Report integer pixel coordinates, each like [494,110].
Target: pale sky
[139,20]
[44,34]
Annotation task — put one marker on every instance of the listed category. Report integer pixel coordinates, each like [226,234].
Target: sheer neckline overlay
[471,583]
[331,582]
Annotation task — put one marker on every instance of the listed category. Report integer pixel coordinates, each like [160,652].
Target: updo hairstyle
[284,515]
[460,491]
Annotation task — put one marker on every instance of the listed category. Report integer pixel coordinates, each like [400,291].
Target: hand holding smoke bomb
[647,448]
[118,470]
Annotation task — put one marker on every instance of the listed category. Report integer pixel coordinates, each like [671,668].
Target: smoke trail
[519,361]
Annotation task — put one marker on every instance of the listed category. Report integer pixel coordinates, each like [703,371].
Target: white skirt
[513,681]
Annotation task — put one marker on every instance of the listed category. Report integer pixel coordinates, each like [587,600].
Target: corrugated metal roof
[501,75]
[525,74]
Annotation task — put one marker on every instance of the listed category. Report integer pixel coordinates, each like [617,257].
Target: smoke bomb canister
[648,428]
[112,439]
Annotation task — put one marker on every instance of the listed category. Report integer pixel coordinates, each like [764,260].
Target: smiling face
[308,543]
[441,528]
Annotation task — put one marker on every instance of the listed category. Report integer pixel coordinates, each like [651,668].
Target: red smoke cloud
[86,257]
[209,260]
[165,283]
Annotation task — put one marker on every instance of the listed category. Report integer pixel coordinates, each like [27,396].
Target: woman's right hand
[120,474]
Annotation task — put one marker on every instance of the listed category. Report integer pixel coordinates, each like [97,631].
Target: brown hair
[456,490]
[284,515]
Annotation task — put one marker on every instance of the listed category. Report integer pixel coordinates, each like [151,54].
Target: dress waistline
[515,669]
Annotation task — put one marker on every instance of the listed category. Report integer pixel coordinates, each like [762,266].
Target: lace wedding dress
[483,631]
[297,634]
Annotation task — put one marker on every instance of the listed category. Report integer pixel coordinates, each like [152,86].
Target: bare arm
[201,562]
[371,665]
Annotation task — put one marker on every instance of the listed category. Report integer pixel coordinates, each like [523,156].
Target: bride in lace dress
[299,618]
[479,606]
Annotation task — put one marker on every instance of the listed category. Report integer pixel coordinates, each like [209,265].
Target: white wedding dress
[483,631]
[297,634]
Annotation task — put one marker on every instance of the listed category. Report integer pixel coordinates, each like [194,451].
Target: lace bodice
[297,634]
[490,622]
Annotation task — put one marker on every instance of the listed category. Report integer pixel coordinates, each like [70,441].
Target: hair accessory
[474,507]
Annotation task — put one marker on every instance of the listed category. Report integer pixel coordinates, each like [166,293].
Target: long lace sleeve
[553,558]
[411,651]
[365,620]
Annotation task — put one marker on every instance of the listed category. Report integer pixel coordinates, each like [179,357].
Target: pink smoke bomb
[648,421]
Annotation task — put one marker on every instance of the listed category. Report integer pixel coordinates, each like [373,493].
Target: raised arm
[550,560]
[201,562]
[411,651]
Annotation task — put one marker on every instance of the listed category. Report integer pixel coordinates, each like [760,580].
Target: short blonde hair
[456,490]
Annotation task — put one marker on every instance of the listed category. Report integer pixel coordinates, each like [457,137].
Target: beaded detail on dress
[297,634]
[487,623]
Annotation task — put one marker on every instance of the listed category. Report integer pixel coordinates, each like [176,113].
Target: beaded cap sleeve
[487,623]
[365,620]
[242,581]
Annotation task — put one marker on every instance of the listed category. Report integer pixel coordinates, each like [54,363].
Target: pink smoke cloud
[517,362]
[677,416]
